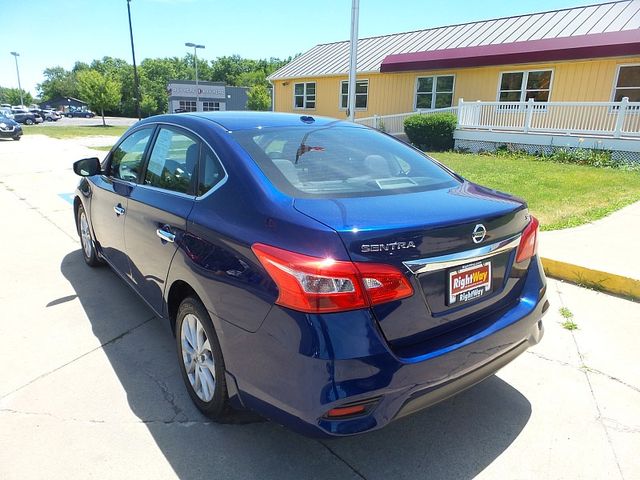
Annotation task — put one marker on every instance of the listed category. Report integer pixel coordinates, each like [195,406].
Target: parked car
[40,117]
[80,114]
[51,115]
[323,274]
[24,116]
[9,128]
[6,112]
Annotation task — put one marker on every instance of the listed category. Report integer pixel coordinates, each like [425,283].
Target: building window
[304,95]
[210,106]
[434,92]
[521,86]
[187,106]
[362,92]
[627,83]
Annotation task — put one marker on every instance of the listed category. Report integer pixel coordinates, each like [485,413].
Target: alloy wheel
[85,235]
[198,357]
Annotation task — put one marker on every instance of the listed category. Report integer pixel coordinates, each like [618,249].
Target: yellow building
[584,54]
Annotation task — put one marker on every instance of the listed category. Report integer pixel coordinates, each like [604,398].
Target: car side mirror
[87,167]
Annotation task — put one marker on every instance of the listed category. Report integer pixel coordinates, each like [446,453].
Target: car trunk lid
[429,236]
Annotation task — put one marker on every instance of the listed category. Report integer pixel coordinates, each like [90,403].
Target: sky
[49,33]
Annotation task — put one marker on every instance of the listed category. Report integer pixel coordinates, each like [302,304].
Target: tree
[12,96]
[100,92]
[155,74]
[259,98]
[249,79]
[58,82]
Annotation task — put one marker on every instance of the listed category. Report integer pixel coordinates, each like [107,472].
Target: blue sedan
[320,273]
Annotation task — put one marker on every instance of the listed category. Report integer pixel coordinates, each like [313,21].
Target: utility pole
[195,61]
[135,68]
[15,56]
[353,60]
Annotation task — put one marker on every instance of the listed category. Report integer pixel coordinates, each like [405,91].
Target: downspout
[273,96]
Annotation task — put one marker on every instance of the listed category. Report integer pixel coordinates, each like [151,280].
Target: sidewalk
[602,254]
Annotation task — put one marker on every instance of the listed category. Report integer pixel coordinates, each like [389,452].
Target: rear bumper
[310,364]
[430,396]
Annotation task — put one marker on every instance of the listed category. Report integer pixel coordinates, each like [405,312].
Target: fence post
[477,115]
[459,121]
[527,116]
[376,119]
[620,120]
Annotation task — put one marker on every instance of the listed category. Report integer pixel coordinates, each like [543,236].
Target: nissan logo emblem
[478,233]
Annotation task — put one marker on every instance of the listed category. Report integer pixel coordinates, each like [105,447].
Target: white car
[51,115]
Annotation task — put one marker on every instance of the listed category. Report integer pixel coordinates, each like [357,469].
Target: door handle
[165,235]
[119,209]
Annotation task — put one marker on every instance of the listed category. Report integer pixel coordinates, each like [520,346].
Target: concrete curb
[606,282]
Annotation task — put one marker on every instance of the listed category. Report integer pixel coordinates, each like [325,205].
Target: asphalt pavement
[90,386]
[89,122]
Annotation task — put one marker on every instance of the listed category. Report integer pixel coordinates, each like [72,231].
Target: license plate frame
[474,281]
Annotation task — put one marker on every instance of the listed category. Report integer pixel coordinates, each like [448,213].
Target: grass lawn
[73,131]
[559,195]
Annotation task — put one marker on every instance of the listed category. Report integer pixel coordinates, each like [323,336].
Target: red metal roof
[609,44]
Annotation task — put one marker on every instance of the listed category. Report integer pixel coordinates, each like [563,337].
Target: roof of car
[234,120]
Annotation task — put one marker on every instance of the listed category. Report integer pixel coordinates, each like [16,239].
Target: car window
[210,172]
[126,160]
[172,161]
[339,160]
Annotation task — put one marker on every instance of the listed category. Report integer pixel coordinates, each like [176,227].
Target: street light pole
[135,69]
[353,61]
[16,55]
[195,61]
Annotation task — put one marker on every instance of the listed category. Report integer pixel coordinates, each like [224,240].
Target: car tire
[28,121]
[87,243]
[16,138]
[68,116]
[87,116]
[201,362]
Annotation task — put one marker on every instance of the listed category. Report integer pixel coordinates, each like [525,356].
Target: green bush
[433,132]
[589,156]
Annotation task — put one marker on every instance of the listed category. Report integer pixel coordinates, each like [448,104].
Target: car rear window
[339,160]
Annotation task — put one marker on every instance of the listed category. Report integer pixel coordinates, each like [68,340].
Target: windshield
[339,160]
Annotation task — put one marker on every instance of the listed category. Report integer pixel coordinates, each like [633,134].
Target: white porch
[537,127]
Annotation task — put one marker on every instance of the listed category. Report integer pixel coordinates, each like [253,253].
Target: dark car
[321,273]
[9,128]
[24,116]
[80,114]
[40,114]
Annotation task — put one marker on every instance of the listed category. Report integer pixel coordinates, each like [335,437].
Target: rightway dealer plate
[469,282]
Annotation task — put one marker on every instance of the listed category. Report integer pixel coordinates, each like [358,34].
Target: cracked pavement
[90,386]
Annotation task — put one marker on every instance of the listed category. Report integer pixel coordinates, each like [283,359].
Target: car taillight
[529,241]
[316,285]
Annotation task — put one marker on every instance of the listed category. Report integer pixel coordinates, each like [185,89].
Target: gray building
[211,96]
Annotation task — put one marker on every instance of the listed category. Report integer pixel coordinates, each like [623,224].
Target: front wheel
[201,362]
[86,240]
[16,138]
[28,121]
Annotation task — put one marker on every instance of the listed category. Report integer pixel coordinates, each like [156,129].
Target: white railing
[611,119]
[394,124]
